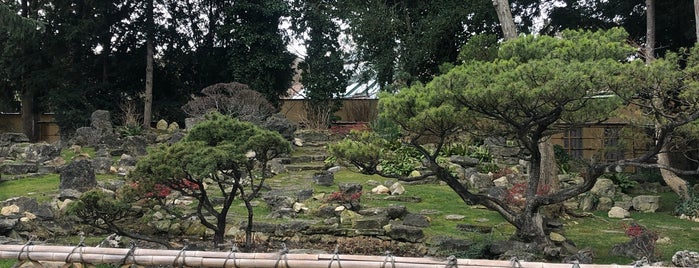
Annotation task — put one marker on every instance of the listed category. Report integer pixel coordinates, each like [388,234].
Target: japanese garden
[300,133]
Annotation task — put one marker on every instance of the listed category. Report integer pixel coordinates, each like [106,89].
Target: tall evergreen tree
[258,56]
[323,73]
[23,62]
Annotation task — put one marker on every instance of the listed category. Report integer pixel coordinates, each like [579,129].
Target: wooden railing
[81,256]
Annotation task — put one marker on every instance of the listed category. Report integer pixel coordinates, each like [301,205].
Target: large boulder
[16,168]
[449,244]
[324,178]
[102,165]
[87,136]
[481,181]
[404,233]
[135,145]
[350,188]
[40,152]
[12,137]
[25,205]
[279,123]
[370,222]
[416,220]
[102,121]
[604,188]
[78,175]
[646,203]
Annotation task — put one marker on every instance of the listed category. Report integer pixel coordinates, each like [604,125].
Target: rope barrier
[452,262]
[282,253]
[181,253]
[640,263]
[129,254]
[26,246]
[576,264]
[108,238]
[336,256]
[389,256]
[31,254]
[79,246]
[234,249]
[514,262]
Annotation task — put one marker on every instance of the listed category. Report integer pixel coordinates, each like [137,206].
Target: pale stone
[663,240]
[502,182]
[618,213]
[334,169]
[173,127]
[454,217]
[298,142]
[340,208]
[250,154]
[113,170]
[161,125]
[380,190]
[415,173]
[9,210]
[28,216]
[299,207]
[556,237]
[397,189]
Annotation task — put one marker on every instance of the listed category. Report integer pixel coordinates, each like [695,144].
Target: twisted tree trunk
[677,184]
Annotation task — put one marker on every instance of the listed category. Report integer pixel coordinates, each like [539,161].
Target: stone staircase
[309,157]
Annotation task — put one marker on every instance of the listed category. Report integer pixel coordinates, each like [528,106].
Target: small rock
[454,217]
[298,142]
[415,173]
[9,210]
[334,169]
[618,213]
[173,127]
[250,154]
[663,240]
[502,182]
[299,207]
[397,189]
[556,237]
[161,125]
[380,190]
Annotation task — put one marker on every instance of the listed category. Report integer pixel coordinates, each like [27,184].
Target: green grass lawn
[597,231]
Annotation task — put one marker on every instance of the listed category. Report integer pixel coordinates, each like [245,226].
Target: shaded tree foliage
[323,73]
[257,55]
[672,19]
[406,41]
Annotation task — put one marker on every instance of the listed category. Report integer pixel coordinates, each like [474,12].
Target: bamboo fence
[79,256]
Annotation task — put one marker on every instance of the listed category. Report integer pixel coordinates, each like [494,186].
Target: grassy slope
[597,232]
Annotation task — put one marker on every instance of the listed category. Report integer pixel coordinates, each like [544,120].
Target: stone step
[308,158]
[305,167]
